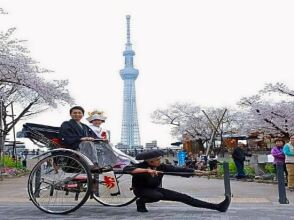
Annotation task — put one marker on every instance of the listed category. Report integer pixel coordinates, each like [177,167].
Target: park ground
[251,200]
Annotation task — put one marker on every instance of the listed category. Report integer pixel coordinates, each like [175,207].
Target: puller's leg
[171,195]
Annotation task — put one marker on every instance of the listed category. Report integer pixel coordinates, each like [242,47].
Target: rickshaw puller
[147,180]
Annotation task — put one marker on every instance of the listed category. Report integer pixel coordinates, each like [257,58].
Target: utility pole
[1,129]
[1,138]
[13,129]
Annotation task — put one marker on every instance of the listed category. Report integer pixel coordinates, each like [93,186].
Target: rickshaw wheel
[122,196]
[60,183]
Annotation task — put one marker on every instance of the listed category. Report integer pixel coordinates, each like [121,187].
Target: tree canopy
[23,82]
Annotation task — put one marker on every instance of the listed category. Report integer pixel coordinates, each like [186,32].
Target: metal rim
[61,187]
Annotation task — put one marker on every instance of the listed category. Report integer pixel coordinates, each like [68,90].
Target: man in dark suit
[78,136]
[147,180]
[73,132]
[238,156]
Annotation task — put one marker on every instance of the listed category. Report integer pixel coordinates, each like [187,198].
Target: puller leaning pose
[147,179]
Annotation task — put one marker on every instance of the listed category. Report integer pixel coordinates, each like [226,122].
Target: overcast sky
[209,53]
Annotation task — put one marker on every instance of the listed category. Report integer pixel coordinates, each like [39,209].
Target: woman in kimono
[106,155]
[96,119]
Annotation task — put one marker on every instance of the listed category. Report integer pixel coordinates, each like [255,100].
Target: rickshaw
[61,181]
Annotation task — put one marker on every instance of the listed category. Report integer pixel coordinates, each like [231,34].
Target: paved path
[250,200]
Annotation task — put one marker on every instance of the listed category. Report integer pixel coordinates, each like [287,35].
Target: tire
[124,195]
[60,183]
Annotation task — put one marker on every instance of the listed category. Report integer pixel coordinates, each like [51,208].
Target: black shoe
[240,177]
[141,206]
[224,205]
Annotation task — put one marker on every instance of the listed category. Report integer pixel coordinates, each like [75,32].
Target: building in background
[151,146]
[122,147]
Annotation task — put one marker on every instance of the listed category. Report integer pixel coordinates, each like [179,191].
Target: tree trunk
[5,128]
[26,109]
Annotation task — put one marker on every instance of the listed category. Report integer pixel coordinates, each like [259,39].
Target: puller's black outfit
[148,188]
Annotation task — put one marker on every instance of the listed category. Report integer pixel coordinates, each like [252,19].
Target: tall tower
[130,128]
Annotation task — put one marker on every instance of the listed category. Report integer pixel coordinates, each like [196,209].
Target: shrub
[269,168]
[249,171]
[7,161]
[233,169]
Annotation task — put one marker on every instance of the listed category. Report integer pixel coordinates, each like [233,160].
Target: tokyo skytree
[130,128]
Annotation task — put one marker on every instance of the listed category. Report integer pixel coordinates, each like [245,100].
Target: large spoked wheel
[114,189]
[60,183]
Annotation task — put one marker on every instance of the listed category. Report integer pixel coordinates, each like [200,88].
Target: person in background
[203,157]
[201,163]
[289,152]
[190,161]
[278,154]
[239,158]
[212,161]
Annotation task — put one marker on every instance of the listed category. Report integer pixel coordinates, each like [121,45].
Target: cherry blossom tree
[22,83]
[268,113]
[2,11]
[277,88]
[190,120]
